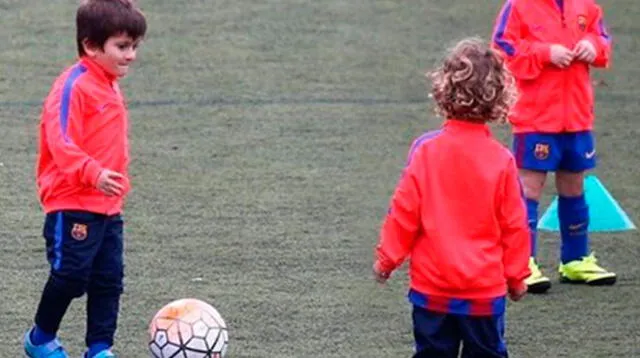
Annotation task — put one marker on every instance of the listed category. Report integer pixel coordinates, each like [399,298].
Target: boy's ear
[89,48]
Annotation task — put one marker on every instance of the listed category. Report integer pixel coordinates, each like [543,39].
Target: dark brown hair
[473,84]
[97,20]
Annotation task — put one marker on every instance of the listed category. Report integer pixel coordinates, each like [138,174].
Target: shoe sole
[605,281]
[539,287]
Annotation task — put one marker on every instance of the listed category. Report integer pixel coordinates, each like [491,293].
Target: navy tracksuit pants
[85,251]
[439,335]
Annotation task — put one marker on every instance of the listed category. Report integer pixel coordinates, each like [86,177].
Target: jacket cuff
[544,53]
[383,266]
[594,41]
[91,173]
[516,285]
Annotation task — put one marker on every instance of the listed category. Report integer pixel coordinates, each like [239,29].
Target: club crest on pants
[541,151]
[79,232]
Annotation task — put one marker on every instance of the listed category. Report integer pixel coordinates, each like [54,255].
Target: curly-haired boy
[458,212]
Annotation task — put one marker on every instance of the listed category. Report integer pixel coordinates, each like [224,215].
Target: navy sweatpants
[85,251]
[439,335]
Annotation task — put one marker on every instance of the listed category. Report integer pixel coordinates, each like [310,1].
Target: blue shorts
[573,152]
[440,335]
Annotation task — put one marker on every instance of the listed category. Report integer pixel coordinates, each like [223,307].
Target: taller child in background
[458,212]
[549,46]
[82,179]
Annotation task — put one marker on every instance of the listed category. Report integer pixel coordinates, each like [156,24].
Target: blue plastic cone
[605,214]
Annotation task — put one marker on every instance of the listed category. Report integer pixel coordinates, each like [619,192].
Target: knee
[107,283]
[71,286]
[570,184]
[532,183]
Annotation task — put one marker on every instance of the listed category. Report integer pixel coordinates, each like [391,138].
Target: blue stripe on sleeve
[498,37]
[603,30]
[422,139]
[65,103]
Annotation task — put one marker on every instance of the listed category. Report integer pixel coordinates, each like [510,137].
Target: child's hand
[585,51]
[110,183]
[379,276]
[518,293]
[561,56]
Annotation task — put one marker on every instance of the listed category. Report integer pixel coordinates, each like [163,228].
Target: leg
[72,239]
[532,186]
[483,337]
[573,212]
[536,154]
[436,334]
[104,289]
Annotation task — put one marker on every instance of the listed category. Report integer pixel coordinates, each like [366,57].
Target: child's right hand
[516,294]
[380,276]
[561,56]
[110,183]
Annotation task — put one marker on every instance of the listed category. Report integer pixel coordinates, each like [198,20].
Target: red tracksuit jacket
[552,100]
[458,212]
[83,130]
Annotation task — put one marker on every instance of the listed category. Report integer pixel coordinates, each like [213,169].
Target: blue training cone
[605,214]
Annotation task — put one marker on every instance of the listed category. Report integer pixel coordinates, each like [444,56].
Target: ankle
[39,337]
[96,348]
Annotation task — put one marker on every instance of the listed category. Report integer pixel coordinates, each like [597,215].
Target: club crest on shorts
[541,151]
[582,23]
[79,232]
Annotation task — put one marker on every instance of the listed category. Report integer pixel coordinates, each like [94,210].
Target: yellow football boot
[586,271]
[536,282]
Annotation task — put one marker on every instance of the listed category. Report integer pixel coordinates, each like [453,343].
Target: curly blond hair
[473,84]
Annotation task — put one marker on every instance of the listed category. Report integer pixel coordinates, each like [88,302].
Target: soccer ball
[188,328]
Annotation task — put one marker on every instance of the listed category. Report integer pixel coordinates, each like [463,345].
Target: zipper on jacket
[561,8]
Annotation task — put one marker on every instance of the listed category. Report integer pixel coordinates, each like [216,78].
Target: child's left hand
[585,51]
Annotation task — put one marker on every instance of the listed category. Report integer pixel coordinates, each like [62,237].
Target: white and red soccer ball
[188,328]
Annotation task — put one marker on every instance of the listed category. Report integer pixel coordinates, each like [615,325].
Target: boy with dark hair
[82,179]
[458,212]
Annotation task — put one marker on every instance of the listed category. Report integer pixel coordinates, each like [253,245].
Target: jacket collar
[97,70]
[461,125]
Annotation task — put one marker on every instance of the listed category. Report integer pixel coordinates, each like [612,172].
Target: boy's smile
[117,54]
